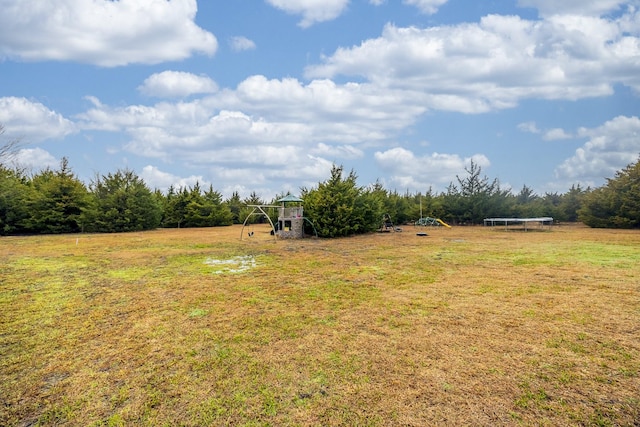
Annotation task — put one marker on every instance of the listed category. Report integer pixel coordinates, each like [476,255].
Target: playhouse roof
[289,198]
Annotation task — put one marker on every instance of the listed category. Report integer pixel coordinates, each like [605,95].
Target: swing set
[258,210]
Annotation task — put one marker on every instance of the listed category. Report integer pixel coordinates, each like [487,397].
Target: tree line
[56,201]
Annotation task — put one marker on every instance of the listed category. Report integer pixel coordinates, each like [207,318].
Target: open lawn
[195,327]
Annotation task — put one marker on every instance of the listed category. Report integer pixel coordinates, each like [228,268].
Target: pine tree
[60,204]
[220,213]
[235,206]
[338,207]
[616,204]
[124,203]
[15,194]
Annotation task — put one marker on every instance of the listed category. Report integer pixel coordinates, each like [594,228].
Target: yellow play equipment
[431,221]
[443,223]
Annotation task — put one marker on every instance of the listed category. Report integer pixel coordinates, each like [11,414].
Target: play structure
[428,221]
[291,219]
[431,222]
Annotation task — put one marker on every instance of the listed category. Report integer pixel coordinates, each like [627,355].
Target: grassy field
[466,326]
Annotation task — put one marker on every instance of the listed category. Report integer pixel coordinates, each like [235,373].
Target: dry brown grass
[468,326]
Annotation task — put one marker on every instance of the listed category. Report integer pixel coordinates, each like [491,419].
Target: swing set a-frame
[259,210]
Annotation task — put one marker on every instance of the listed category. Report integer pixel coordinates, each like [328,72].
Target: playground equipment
[290,224]
[291,219]
[258,210]
[427,221]
[522,222]
[387,224]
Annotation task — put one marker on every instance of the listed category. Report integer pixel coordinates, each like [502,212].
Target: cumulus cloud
[239,44]
[32,121]
[157,129]
[609,148]
[350,112]
[35,159]
[493,64]
[156,178]
[104,33]
[269,130]
[312,11]
[176,84]
[423,172]
[278,129]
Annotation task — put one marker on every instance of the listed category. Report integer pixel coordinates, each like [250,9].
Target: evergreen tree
[175,207]
[15,195]
[378,202]
[475,191]
[192,208]
[428,204]
[124,203]
[571,203]
[338,207]
[476,197]
[372,205]
[551,206]
[617,204]
[235,206]
[452,204]
[196,212]
[220,213]
[60,204]
[527,204]
[246,209]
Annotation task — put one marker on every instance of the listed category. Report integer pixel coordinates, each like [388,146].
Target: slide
[443,223]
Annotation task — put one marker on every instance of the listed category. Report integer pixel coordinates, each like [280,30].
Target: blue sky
[266,95]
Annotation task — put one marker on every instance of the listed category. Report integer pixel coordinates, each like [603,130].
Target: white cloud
[529,127]
[32,121]
[493,64]
[556,134]
[239,44]
[426,6]
[155,178]
[548,135]
[34,159]
[272,130]
[575,7]
[337,151]
[419,173]
[312,11]
[172,84]
[105,33]
[610,148]
[343,113]
[307,172]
